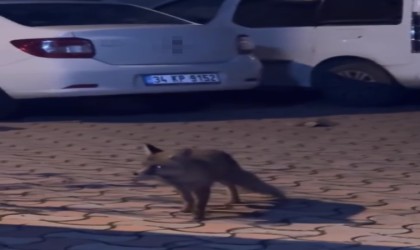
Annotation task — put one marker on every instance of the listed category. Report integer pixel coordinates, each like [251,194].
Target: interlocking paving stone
[347,234]
[196,234]
[277,233]
[156,241]
[94,246]
[105,238]
[299,245]
[52,244]
[18,241]
[386,240]
[229,246]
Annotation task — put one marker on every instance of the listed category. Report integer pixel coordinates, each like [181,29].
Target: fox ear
[151,150]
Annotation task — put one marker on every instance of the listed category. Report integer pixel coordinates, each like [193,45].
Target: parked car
[373,44]
[68,49]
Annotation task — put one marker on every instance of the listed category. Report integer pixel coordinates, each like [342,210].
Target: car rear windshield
[65,14]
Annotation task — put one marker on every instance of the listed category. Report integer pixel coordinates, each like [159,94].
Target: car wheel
[8,106]
[357,83]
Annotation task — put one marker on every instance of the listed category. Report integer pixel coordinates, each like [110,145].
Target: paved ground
[66,181]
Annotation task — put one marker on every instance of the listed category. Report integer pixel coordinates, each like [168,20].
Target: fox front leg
[187,199]
[203,196]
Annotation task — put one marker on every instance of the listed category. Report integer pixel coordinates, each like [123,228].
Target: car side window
[361,12]
[199,11]
[63,14]
[276,13]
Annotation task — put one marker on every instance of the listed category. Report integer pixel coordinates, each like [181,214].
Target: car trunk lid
[161,44]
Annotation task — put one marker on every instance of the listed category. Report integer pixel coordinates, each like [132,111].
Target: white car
[373,44]
[68,49]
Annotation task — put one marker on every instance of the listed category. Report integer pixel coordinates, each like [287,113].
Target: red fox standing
[193,172]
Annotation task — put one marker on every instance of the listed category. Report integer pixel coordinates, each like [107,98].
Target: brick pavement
[67,184]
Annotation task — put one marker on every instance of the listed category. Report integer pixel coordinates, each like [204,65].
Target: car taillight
[56,47]
[245,44]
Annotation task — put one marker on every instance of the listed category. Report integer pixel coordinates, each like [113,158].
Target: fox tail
[251,182]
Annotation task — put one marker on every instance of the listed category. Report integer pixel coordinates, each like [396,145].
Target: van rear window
[66,14]
[361,12]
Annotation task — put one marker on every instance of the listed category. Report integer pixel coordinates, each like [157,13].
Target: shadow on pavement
[241,105]
[29,237]
[307,211]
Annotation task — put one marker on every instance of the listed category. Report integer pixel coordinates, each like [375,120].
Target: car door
[376,30]
[284,32]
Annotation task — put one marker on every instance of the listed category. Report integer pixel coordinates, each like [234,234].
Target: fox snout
[139,174]
[142,173]
[152,170]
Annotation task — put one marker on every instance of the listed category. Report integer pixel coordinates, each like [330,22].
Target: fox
[192,172]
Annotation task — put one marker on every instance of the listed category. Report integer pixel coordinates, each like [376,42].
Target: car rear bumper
[39,77]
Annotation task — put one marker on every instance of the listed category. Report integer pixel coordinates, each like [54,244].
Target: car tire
[357,83]
[8,106]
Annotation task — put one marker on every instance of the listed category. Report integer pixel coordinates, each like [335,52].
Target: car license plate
[182,79]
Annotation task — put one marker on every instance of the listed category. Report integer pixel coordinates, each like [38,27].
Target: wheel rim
[357,75]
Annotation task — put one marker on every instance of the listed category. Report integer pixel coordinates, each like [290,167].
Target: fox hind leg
[233,193]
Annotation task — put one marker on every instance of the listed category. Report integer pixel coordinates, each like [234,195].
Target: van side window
[198,11]
[276,13]
[361,12]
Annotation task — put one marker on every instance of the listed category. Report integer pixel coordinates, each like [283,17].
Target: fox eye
[157,166]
